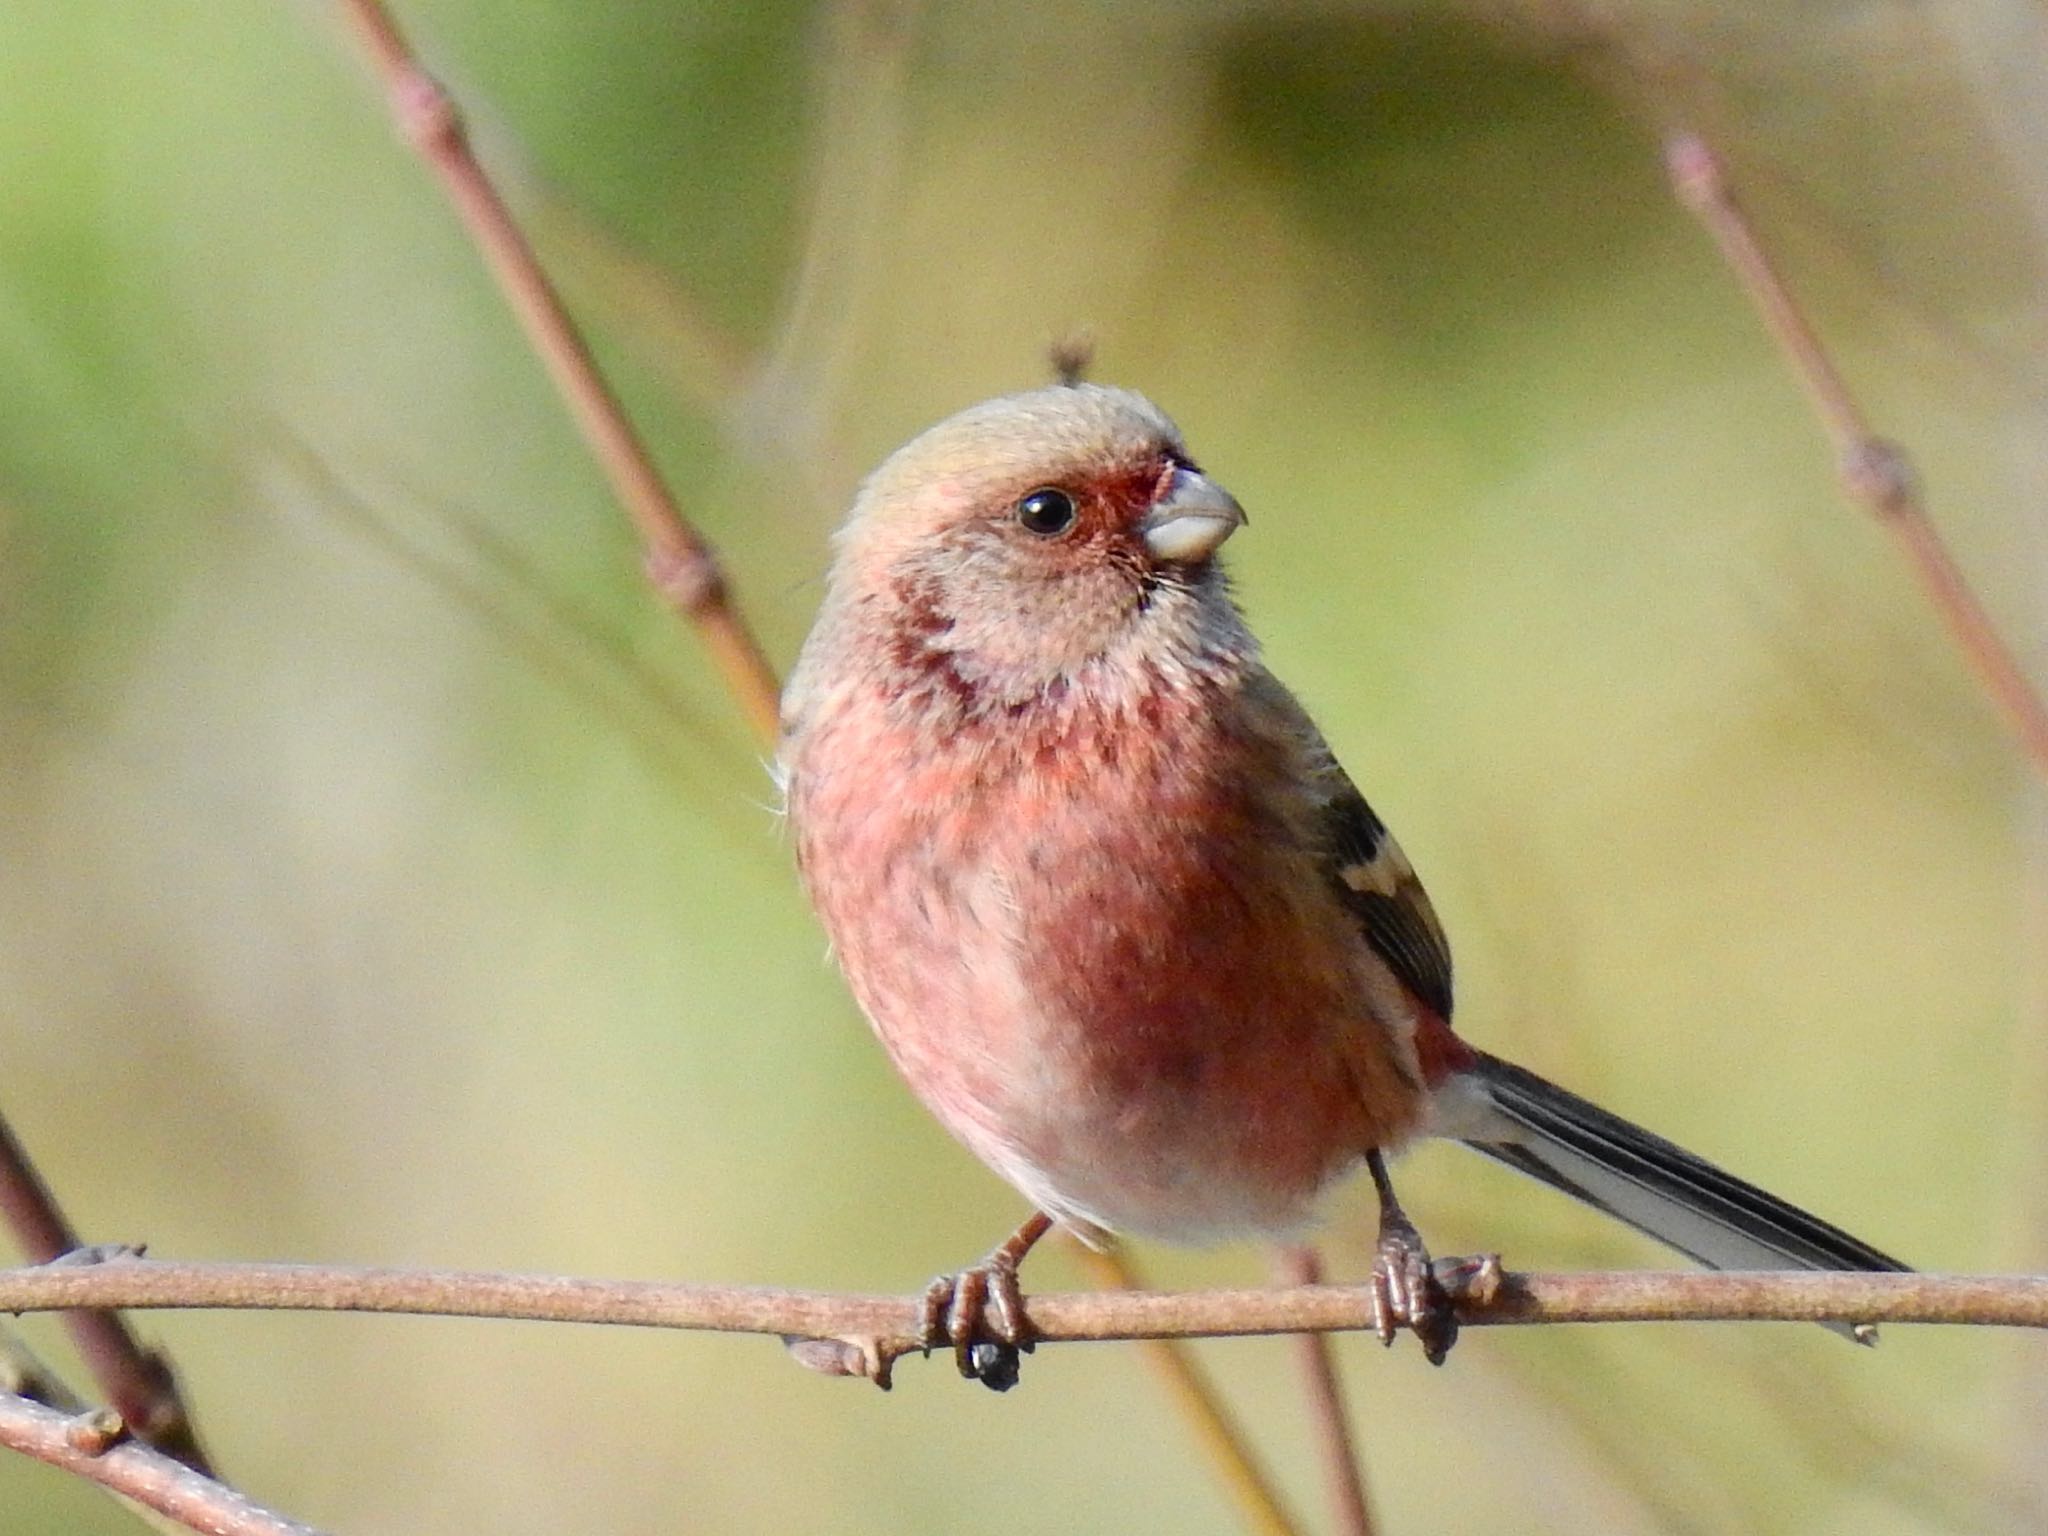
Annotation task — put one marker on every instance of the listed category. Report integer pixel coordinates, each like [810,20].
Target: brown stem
[1622,1296]
[91,1445]
[1343,1468]
[1873,471]
[138,1382]
[679,560]
[1674,92]
[1202,1409]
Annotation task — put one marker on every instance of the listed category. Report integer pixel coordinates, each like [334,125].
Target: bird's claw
[979,1313]
[1407,1294]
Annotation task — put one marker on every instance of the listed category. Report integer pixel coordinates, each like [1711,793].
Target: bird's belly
[1139,1033]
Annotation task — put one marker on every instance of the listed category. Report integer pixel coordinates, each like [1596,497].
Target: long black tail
[1653,1185]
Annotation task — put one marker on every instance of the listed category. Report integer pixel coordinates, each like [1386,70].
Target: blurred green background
[382,878]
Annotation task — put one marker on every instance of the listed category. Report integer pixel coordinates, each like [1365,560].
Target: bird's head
[1034,534]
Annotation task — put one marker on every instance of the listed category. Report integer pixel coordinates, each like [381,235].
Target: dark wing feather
[1376,882]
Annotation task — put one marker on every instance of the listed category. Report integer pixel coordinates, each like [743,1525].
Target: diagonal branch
[1672,91]
[679,560]
[1873,471]
[138,1381]
[1208,1418]
[1343,1467]
[91,1445]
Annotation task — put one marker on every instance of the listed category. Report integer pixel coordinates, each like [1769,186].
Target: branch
[1343,1467]
[679,560]
[884,1328]
[138,1382]
[1215,1429]
[1873,471]
[1674,92]
[91,1445]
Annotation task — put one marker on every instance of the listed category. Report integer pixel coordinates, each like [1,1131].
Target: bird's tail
[1653,1185]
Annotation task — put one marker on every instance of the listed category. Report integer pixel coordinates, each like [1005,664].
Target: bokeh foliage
[382,879]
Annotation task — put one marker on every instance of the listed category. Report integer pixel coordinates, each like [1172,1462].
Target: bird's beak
[1191,519]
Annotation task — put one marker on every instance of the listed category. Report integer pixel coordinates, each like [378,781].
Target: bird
[1114,910]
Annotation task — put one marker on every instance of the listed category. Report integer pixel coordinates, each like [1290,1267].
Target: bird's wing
[1365,867]
[1375,881]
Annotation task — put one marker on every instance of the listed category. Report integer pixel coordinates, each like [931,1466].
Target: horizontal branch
[880,1328]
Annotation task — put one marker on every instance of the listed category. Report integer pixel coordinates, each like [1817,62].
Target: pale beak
[1192,519]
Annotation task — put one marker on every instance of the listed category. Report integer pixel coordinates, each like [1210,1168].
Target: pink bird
[1116,913]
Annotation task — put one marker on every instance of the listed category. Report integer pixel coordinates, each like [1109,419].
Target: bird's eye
[1047,512]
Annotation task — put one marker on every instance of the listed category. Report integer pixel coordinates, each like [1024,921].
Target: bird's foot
[1407,1294]
[980,1313]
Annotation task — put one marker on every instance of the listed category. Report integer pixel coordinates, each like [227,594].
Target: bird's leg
[1405,1290]
[985,1298]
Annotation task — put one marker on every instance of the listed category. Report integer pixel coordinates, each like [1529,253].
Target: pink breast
[1112,971]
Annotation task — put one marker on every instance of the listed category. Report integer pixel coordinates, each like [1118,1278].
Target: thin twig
[679,561]
[1657,71]
[1343,1469]
[1215,1429]
[92,1445]
[1873,471]
[1673,91]
[138,1382]
[892,1323]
